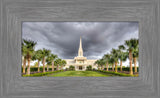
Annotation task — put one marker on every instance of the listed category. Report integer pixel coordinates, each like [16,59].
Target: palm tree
[106,58]
[37,56]
[24,53]
[135,56]
[102,63]
[123,58]
[111,62]
[24,64]
[115,54]
[44,53]
[49,62]
[131,44]
[58,63]
[98,63]
[53,57]
[121,55]
[29,52]
[63,64]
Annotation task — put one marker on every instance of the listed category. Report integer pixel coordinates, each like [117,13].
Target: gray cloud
[62,38]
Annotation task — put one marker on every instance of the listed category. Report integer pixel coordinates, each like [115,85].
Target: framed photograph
[52,49]
[79,49]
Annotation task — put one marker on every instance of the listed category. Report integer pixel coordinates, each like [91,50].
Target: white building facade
[80,62]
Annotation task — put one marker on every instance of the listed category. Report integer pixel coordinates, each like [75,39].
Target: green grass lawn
[61,73]
[79,74]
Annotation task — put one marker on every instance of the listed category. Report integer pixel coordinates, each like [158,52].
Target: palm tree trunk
[53,66]
[115,66]
[130,62]
[58,67]
[47,67]
[24,65]
[135,64]
[62,67]
[43,64]
[107,66]
[28,69]
[121,65]
[38,66]
[112,67]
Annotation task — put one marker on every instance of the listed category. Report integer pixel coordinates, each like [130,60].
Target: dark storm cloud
[62,38]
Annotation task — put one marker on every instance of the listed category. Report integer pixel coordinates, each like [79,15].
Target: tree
[49,62]
[111,62]
[24,54]
[58,63]
[63,63]
[106,58]
[35,64]
[131,45]
[71,67]
[115,54]
[102,63]
[37,56]
[44,53]
[29,45]
[98,63]
[124,57]
[135,56]
[53,57]
[121,55]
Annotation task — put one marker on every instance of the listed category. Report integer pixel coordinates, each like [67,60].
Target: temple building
[80,62]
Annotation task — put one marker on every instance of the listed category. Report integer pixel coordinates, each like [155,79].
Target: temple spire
[80,51]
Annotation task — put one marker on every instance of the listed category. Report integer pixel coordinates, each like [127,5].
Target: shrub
[71,68]
[94,69]
[67,69]
[116,73]
[41,74]
[34,69]
[125,69]
[89,68]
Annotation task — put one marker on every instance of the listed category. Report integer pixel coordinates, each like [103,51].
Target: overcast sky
[62,38]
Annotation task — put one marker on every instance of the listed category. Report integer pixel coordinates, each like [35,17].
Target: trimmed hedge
[33,69]
[115,73]
[124,69]
[41,74]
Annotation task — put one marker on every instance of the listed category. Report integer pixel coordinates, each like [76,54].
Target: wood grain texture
[1,48]
[157,87]
[14,12]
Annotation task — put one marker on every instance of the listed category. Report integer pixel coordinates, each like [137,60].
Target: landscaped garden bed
[41,74]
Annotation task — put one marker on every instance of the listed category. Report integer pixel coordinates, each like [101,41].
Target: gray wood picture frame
[13,12]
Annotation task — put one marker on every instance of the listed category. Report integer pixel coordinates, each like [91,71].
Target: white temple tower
[80,51]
